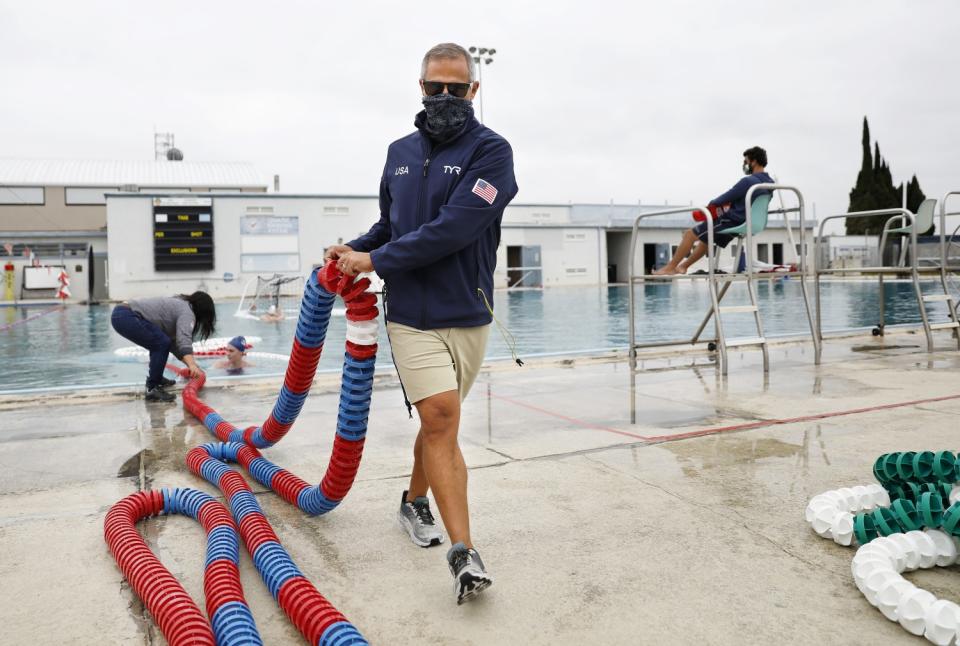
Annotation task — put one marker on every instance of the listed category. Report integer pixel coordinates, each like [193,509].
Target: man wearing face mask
[442,195]
[733,212]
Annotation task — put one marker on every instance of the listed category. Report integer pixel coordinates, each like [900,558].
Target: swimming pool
[74,346]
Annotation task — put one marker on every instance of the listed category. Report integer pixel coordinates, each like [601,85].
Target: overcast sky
[600,100]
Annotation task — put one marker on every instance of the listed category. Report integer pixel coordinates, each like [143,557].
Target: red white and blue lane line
[313,615]
[355,392]
[317,619]
[174,611]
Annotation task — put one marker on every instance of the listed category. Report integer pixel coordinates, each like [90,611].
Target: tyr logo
[450,170]
[402,170]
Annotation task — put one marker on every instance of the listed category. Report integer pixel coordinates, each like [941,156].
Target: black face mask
[446,115]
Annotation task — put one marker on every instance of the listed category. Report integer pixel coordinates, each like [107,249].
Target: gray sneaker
[416,519]
[470,578]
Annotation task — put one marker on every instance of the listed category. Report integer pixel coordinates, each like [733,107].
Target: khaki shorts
[431,362]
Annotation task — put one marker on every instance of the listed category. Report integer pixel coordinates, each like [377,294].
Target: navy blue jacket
[736,196]
[435,244]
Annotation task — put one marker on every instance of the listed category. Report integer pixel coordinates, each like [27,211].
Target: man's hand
[354,262]
[333,252]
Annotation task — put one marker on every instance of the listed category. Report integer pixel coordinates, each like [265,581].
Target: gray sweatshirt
[173,316]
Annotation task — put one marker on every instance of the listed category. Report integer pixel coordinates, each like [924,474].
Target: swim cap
[239,343]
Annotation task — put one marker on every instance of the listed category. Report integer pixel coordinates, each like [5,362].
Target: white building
[585,244]
[244,235]
[57,208]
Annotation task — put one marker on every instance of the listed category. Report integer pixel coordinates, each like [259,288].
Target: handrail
[908,215]
[802,265]
[633,263]
[900,220]
[817,270]
[943,229]
[800,210]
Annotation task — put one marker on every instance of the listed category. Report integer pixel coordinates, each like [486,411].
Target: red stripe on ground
[793,420]
[725,429]
[573,420]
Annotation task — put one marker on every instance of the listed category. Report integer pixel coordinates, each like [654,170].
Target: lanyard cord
[504,332]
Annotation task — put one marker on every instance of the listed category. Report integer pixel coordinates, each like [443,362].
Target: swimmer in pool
[235,360]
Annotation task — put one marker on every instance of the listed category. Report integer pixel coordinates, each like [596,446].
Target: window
[79,195]
[21,195]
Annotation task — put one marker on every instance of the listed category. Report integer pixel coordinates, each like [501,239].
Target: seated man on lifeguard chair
[731,212]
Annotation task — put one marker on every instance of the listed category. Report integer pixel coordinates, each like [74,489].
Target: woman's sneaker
[470,578]
[416,519]
[164,383]
[158,394]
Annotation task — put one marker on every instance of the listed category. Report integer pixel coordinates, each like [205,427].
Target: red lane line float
[316,618]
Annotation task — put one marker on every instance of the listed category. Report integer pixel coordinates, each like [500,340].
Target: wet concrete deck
[684,527]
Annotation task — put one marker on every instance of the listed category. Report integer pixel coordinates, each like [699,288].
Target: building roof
[107,173]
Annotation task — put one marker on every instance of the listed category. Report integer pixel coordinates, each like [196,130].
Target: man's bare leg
[442,463]
[418,479]
[673,267]
[699,251]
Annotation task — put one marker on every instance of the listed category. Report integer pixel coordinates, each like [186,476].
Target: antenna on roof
[162,144]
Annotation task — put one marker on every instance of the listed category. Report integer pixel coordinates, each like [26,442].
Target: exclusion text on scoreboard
[182,233]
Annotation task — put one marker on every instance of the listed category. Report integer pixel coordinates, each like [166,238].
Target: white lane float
[213,346]
[878,566]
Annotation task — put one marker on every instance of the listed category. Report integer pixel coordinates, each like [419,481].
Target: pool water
[74,346]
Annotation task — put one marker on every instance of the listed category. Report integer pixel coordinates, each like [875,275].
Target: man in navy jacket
[442,195]
[733,212]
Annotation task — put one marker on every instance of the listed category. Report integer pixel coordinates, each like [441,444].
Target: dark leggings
[134,327]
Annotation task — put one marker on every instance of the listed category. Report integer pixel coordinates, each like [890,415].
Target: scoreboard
[182,233]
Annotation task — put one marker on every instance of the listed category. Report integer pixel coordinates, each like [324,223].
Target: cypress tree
[860,195]
[875,190]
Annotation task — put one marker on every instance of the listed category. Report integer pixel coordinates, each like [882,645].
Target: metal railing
[913,270]
[720,343]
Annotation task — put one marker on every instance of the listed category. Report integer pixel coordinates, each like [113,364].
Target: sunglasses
[433,88]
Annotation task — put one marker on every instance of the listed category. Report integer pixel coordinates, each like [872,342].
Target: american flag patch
[485,190]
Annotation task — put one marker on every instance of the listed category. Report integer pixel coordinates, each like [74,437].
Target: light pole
[481,56]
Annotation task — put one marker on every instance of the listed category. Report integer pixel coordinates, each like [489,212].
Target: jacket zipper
[422,220]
